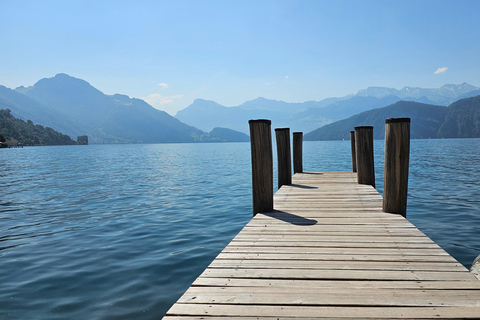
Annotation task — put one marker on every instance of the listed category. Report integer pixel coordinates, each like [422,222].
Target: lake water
[121,231]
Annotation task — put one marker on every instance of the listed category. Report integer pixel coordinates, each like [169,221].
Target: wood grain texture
[397,155]
[354,156]
[284,156]
[328,251]
[262,165]
[364,155]
[297,152]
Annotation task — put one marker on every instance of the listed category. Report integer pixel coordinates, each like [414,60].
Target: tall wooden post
[262,165]
[354,157]
[364,155]
[284,157]
[297,152]
[397,155]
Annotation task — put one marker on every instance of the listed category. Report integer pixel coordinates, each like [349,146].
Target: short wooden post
[397,154]
[364,155]
[297,152]
[354,157]
[262,165]
[284,158]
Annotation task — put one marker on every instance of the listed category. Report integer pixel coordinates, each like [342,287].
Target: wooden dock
[328,251]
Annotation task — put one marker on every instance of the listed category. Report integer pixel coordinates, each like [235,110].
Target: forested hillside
[16,131]
[459,120]
[462,119]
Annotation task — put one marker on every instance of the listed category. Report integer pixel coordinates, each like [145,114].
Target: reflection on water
[120,231]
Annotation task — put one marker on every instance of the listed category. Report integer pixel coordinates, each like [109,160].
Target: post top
[363,127]
[298,133]
[396,120]
[259,121]
[281,129]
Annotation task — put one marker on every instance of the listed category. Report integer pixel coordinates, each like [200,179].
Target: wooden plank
[345,284]
[219,310]
[324,234]
[335,257]
[337,265]
[338,274]
[329,297]
[340,251]
[364,230]
[299,244]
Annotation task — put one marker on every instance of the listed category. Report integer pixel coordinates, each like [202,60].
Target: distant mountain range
[459,120]
[310,115]
[74,107]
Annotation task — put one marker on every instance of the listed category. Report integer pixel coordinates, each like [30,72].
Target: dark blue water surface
[121,231]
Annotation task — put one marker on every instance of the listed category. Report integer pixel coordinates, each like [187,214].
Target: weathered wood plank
[335,257]
[299,244]
[330,297]
[219,310]
[338,274]
[345,284]
[337,265]
[332,231]
[339,251]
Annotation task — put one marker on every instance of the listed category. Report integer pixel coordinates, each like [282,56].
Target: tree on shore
[16,131]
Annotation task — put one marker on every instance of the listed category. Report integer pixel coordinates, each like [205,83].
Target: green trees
[14,131]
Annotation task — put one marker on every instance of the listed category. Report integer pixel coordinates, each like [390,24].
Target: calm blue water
[120,231]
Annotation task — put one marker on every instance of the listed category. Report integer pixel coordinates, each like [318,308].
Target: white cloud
[163,85]
[168,104]
[156,99]
[440,70]
[286,77]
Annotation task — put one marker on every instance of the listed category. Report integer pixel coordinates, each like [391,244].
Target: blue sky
[172,52]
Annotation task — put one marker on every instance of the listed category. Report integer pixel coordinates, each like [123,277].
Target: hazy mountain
[108,119]
[459,120]
[310,115]
[206,115]
[283,107]
[73,106]
[26,108]
[426,120]
[444,95]
[227,135]
[79,108]
[345,108]
[469,94]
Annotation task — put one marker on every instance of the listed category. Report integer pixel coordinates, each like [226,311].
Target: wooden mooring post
[364,155]
[354,157]
[397,154]
[297,152]
[284,158]
[262,165]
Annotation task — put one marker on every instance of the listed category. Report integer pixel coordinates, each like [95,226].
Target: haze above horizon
[173,52]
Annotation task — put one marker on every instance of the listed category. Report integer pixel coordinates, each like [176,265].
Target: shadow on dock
[290,218]
[302,186]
